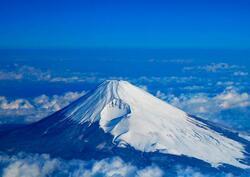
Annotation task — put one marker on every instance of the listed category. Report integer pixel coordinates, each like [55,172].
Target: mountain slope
[118,115]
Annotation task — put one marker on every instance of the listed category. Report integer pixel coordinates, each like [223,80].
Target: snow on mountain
[135,118]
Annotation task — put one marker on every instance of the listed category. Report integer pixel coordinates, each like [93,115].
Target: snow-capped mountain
[118,118]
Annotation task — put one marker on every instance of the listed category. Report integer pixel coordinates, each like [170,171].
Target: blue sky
[125,24]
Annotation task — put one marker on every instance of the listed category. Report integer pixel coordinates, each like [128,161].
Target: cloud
[230,98]
[163,80]
[213,67]
[29,166]
[162,95]
[4,75]
[56,102]
[150,171]
[203,103]
[14,105]
[189,172]
[36,108]
[24,72]
[175,61]
[193,87]
[193,172]
[42,165]
[18,72]
[230,106]
[240,73]
[226,83]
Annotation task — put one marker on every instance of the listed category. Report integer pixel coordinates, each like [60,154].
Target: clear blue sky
[125,23]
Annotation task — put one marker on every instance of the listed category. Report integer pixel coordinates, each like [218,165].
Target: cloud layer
[226,98]
[36,165]
[36,108]
[215,107]
[214,68]
[42,165]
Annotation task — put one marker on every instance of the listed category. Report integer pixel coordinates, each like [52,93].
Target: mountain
[120,119]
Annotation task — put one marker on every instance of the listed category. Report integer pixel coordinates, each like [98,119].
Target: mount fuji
[120,119]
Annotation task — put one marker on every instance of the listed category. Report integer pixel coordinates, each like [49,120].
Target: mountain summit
[118,118]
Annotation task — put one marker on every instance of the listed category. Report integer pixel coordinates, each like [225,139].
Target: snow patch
[113,113]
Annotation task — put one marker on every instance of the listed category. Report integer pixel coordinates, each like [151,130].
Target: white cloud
[201,104]
[150,171]
[80,77]
[24,72]
[176,61]
[30,168]
[193,87]
[56,102]
[240,73]
[35,165]
[163,80]
[161,95]
[42,165]
[189,172]
[230,98]
[4,75]
[142,80]
[226,83]
[36,108]
[15,104]
[195,172]
[213,67]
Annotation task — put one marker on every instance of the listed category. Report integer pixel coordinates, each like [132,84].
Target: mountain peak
[135,118]
[138,119]
[114,82]
[113,85]
[114,92]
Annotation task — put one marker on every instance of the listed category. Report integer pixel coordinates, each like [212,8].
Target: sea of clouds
[229,104]
[196,97]
[42,165]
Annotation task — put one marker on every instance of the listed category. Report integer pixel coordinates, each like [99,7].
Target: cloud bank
[229,106]
[42,165]
[230,98]
[214,67]
[36,108]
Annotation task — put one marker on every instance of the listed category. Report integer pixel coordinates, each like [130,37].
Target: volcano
[120,119]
